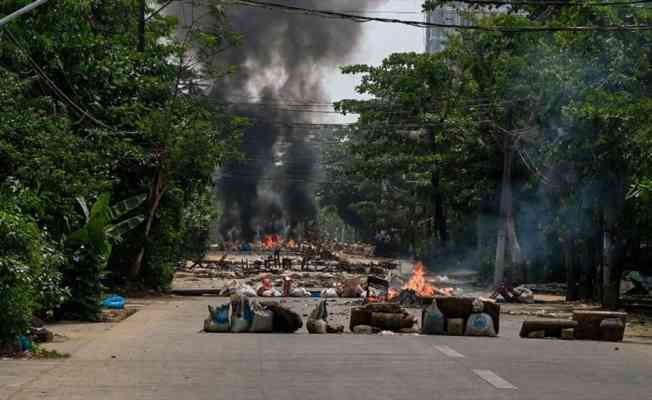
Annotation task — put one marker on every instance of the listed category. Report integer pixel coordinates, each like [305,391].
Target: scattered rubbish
[114,302]
[329,293]
[386,333]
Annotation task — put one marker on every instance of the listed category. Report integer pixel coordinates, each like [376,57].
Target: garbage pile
[242,315]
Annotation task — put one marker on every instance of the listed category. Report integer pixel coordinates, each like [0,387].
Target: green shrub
[29,280]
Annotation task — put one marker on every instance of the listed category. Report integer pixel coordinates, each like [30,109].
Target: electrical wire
[548,3]
[422,24]
[53,85]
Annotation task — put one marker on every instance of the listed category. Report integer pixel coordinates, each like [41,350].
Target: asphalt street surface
[160,353]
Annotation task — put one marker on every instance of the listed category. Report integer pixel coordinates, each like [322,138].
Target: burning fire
[269,242]
[420,285]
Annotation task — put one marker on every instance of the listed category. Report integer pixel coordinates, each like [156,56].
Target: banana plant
[101,230]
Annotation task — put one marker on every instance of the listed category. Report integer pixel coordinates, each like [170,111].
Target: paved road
[160,354]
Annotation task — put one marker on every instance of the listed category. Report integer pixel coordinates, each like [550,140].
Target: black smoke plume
[280,62]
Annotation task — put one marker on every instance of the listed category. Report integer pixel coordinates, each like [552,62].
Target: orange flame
[270,241]
[419,284]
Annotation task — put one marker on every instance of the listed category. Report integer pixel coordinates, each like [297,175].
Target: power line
[422,24]
[53,85]
[549,3]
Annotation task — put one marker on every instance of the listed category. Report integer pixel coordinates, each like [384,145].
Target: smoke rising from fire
[281,61]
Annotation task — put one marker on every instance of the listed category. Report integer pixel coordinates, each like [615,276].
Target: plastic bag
[114,302]
[218,320]
[480,324]
[263,320]
[241,314]
[432,320]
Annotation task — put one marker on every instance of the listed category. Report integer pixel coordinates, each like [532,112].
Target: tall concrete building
[451,14]
[437,38]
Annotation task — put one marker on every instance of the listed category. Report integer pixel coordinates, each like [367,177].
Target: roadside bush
[29,280]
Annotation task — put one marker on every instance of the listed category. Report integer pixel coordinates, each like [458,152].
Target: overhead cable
[425,24]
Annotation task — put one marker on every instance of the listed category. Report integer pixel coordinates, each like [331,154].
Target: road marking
[493,379]
[449,352]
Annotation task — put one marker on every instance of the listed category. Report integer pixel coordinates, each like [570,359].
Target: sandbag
[263,321]
[300,292]
[480,324]
[432,320]
[285,320]
[317,319]
[218,320]
[247,290]
[329,293]
[241,314]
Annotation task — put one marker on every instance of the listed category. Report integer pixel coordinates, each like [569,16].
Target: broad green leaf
[84,206]
[116,231]
[123,207]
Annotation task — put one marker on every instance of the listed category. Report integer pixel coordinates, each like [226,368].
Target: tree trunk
[614,243]
[437,197]
[568,248]
[507,247]
[154,201]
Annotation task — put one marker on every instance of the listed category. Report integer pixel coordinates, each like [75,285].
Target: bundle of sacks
[244,315]
[477,323]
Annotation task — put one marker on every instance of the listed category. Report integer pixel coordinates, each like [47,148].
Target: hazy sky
[379,41]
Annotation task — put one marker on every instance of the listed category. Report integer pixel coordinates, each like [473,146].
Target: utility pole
[141,26]
[5,20]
